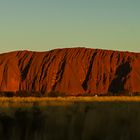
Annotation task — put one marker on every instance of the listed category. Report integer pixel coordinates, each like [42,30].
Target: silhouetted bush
[54,94]
[37,94]
[125,93]
[120,93]
[7,94]
[28,94]
[136,93]
[61,94]
[2,94]
[31,94]
[23,93]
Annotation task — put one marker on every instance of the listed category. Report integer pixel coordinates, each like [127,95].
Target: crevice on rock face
[117,84]
[59,74]
[26,69]
[85,83]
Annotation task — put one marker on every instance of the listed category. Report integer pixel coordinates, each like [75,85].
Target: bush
[7,94]
[23,94]
[2,94]
[36,94]
[54,94]
[28,94]
[136,93]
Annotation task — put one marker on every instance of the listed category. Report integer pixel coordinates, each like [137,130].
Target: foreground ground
[72,118]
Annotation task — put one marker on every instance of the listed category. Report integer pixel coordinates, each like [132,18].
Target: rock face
[72,71]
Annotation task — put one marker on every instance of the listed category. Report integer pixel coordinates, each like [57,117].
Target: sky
[41,25]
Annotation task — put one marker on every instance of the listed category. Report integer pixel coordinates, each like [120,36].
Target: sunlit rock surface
[72,71]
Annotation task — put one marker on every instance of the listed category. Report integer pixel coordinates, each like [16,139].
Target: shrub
[54,94]
[2,94]
[7,94]
[36,94]
[136,93]
[28,94]
[23,93]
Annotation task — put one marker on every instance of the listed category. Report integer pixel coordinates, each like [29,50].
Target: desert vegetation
[54,116]
[61,94]
[70,118]
[31,94]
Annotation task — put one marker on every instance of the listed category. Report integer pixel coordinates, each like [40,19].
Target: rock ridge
[73,71]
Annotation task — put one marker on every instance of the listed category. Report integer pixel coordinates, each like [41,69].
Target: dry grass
[71,98]
[62,101]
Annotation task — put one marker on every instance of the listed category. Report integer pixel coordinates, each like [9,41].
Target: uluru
[73,71]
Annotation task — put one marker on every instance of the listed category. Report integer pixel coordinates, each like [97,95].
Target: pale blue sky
[41,25]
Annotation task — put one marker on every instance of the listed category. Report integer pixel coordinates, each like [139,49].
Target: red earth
[72,71]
